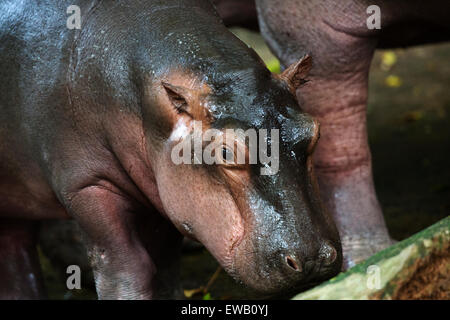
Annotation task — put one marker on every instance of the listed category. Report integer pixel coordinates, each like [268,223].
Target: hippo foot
[357,248]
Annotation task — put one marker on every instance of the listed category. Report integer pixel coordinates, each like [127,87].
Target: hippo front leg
[336,95]
[128,263]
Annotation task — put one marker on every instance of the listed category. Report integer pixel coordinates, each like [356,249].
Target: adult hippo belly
[90,119]
[336,35]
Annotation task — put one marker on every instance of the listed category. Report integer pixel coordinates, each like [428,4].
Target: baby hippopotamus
[90,119]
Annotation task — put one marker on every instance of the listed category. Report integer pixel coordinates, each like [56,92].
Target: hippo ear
[178,96]
[296,74]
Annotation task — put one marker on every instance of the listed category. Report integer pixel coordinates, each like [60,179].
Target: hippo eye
[227,156]
[232,154]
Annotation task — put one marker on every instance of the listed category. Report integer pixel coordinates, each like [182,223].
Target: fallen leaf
[388,60]
[393,81]
[413,116]
[207,296]
[191,293]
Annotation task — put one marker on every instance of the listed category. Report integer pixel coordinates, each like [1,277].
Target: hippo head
[261,218]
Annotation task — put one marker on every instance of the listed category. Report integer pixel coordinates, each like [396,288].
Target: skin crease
[336,36]
[88,119]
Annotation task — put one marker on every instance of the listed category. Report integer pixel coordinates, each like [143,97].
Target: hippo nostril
[296,266]
[327,254]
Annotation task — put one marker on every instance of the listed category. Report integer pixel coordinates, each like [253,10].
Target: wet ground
[409,134]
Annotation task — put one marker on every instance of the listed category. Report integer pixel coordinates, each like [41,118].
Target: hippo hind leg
[20,272]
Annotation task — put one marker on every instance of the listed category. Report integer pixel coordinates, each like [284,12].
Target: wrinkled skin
[335,34]
[89,119]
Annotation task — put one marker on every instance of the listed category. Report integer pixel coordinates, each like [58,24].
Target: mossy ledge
[415,268]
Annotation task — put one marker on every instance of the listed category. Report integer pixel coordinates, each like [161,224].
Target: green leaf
[207,296]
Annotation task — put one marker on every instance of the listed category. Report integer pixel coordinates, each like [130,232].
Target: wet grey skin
[86,122]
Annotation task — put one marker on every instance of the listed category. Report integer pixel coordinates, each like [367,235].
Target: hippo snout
[280,272]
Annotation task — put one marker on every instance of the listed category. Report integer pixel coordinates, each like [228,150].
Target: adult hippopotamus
[341,36]
[89,120]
